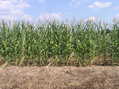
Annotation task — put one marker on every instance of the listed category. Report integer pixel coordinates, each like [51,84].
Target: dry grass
[102,60]
[59,77]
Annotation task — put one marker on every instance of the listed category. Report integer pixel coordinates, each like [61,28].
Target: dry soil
[95,77]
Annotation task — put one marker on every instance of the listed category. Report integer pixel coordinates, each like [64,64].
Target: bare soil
[94,77]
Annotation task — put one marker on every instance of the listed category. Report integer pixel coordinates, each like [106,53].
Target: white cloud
[50,16]
[12,9]
[98,4]
[75,3]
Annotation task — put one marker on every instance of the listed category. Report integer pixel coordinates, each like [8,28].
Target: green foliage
[58,44]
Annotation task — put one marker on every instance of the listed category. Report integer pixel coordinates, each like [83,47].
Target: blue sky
[59,9]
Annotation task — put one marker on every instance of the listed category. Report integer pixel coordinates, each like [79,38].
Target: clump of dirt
[94,77]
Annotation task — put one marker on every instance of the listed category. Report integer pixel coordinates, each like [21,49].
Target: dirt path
[59,78]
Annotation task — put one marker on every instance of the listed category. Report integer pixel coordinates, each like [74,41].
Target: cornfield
[59,44]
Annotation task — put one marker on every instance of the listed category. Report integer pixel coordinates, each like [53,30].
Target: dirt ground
[95,77]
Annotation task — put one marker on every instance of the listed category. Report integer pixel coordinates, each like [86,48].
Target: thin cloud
[91,18]
[41,1]
[13,9]
[50,16]
[98,4]
[116,19]
[116,8]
